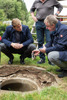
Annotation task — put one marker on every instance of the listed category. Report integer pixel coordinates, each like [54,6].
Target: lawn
[48,93]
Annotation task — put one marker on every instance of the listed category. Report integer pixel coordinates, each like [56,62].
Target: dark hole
[44,82]
[18,87]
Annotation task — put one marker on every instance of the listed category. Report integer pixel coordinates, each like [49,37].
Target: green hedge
[2,28]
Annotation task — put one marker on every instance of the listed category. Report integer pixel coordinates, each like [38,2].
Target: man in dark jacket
[43,8]
[17,39]
[57,47]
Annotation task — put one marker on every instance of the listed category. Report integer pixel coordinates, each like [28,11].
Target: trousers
[24,51]
[41,33]
[54,58]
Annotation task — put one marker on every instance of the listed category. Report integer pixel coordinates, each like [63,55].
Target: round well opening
[22,85]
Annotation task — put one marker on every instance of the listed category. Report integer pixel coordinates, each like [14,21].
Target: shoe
[10,61]
[51,63]
[59,70]
[63,74]
[22,60]
[41,61]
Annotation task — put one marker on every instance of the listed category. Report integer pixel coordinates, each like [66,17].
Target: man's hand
[36,52]
[34,18]
[43,50]
[16,45]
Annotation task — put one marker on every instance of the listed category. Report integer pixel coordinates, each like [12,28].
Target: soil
[41,77]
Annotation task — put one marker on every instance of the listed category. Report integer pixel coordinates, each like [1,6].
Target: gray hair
[51,19]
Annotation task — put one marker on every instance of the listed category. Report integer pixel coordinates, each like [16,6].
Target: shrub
[2,28]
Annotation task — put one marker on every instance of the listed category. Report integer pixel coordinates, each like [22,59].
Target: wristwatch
[56,14]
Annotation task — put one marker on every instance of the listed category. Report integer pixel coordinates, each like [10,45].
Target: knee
[50,56]
[3,46]
[32,47]
[53,56]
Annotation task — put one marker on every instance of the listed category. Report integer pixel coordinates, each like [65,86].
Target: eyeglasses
[18,26]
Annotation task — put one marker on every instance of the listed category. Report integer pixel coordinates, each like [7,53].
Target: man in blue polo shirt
[57,47]
[17,39]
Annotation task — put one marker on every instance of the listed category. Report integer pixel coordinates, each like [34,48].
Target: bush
[2,28]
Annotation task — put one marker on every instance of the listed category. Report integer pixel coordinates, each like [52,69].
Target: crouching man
[57,47]
[17,39]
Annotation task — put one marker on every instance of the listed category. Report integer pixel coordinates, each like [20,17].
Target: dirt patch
[40,76]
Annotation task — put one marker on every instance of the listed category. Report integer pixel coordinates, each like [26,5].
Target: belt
[41,20]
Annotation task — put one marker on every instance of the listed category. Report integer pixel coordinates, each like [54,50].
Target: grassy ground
[49,93]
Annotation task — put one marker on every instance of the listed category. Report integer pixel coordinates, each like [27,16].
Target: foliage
[2,28]
[14,8]
[30,21]
[2,15]
[10,9]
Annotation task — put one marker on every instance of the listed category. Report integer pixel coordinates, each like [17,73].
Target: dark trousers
[24,52]
[41,31]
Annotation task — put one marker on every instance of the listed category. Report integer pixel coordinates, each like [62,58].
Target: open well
[25,78]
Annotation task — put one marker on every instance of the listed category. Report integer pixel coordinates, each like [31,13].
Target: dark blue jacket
[58,41]
[9,36]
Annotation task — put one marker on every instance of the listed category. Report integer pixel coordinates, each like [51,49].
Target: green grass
[49,93]
[28,61]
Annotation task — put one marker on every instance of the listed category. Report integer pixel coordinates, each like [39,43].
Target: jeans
[54,57]
[41,31]
[24,51]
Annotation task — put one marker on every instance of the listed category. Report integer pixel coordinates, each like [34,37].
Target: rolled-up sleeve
[33,7]
[58,5]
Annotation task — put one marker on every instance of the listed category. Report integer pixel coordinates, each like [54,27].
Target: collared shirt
[46,8]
